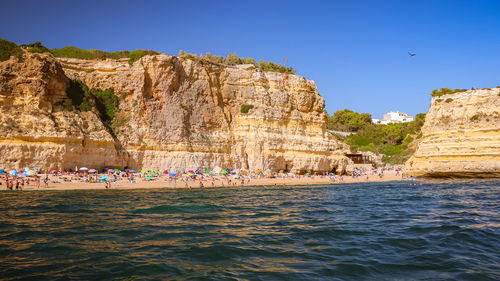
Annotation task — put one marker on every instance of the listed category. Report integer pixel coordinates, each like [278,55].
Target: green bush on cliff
[8,49]
[348,120]
[245,108]
[103,102]
[36,47]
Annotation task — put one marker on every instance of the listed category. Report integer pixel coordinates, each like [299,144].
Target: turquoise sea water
[369,231]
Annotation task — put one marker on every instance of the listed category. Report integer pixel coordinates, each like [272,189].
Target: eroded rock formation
[174,113]
[460,137]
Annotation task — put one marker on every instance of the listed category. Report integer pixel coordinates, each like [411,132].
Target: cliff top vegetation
[8,49]
[446,91]
[233,59]
[392,140]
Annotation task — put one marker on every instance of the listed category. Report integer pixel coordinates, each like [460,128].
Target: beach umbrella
[207,171]
[23,175]
[30,173]
[92,171]
[236,176]
[116,170]
[13,172]
[143,171]
[223,172]
[172,175]
[53,171]
[84,169]
[190,174]
[1,171]
[308,174]
[244,172]
[35,168]
[191,171]
[151,173]
[173,172]
[148,178]
[257,171]
[165,172]
[132,171]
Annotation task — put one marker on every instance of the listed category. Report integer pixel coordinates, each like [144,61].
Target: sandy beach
[165,182]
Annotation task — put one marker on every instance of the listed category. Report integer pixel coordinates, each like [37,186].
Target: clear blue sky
[355,51]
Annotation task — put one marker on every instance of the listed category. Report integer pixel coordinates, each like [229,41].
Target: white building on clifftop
[393,117]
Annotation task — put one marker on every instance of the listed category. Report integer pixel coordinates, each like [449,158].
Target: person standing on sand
[201,184]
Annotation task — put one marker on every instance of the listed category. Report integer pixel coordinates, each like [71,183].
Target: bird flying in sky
[411,55]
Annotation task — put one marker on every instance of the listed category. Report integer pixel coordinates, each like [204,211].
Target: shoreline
[162,183]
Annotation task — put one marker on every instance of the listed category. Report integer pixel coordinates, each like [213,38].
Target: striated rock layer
[460,137]
[174,113]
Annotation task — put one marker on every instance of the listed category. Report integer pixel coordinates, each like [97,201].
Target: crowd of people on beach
[181,178]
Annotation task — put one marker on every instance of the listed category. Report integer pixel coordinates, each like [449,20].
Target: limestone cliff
[460,137]
[174,113]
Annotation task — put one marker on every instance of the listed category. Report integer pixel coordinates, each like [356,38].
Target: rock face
[460,137]
[174,113]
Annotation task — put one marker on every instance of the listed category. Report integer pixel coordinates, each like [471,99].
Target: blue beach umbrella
[132,171]
[172,175]
[1,171]
[13,172]
[35,168]
[104,178]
